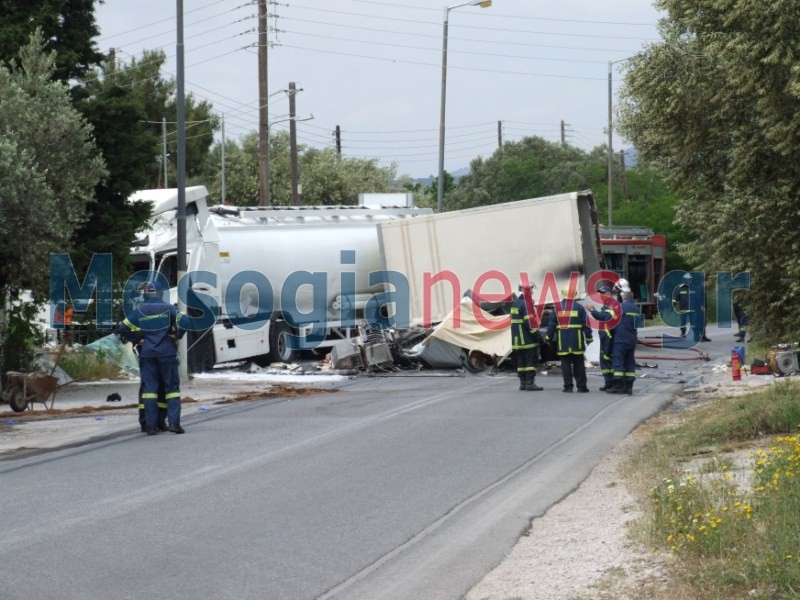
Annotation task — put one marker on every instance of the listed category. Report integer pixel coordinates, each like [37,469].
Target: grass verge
[721,491]
[85,365]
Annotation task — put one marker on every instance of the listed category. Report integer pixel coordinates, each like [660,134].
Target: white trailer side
[557,234]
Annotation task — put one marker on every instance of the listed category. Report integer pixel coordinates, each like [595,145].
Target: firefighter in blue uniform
[605,314]
[681,301]
[624,350]
[135,340]
[525,339]
[155,326]
[570,331]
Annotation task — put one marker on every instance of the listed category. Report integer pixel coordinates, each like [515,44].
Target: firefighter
[155,324]
[136,341]
[570,330]
[681,301]
[605,314]
[624,349]
[525,339]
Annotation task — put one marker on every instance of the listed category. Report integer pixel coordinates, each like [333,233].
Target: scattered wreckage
[311,274]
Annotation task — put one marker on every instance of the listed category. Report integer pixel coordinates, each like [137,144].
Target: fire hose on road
[660,344]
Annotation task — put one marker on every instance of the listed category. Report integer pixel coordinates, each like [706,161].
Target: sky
[374,69]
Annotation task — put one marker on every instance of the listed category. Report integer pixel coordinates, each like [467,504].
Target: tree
[116,114]
[529,168]
[326,178]
[715,105]
[49,167]
[68,28]
[157,96]
[241,171]
[126,103]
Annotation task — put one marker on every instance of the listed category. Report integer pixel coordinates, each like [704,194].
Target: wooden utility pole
[563,134]
[293,143]
[623,174]
[338,134]
[500,134]
[263,108]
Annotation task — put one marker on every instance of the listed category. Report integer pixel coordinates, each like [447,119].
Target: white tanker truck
[286,278]
[278,279]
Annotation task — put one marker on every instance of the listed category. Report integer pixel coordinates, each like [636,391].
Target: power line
[470,52]
[501,16]
[438,66]
[455,38]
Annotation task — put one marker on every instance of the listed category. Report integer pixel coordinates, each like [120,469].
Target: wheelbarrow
[22,389]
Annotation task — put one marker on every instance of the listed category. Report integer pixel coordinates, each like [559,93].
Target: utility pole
[338,134]
[164,149]
[624,175]
[500,135]
[183,352]
[293,143]
[610,154]
[222,151]
[563,134]
[263,107]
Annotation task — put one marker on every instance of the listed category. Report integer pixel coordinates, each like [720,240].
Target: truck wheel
[280,349]
[201,354]
[16,399]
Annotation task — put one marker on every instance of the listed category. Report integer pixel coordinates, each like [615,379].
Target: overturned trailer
[285,279]
[477,257]
[485,248]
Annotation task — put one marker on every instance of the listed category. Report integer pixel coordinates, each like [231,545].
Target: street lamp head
[481,3]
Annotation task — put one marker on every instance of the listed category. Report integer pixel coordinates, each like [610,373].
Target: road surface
[395,488]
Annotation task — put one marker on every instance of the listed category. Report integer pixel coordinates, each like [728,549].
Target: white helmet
[622,285]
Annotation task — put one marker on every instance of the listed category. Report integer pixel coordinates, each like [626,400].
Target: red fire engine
[638,255]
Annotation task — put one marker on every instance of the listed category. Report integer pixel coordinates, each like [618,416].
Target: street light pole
[440,186]
[610,155]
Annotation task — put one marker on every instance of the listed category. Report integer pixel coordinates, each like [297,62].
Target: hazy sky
[373,67]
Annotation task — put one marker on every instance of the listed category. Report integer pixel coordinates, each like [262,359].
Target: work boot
[177,429]
[530,384]
[567,389]
[583,390]
[143,427]
[522,382]
[629,388]
[162,426]
[617,387]
[151,431]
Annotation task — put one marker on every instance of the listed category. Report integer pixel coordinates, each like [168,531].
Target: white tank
[325,255]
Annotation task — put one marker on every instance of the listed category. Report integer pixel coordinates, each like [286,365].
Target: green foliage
[19,336]
[715,106]
[241,171]
[529,168]
[116,112]
[85,365]
[325,177]
[730,522]
[44,186]
[68,28]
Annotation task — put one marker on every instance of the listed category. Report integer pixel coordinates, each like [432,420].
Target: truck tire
[201,353]
[16,399]
[280,349]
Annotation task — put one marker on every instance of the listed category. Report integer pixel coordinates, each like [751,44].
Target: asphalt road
[400,487]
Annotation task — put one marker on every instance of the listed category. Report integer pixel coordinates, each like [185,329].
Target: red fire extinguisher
[736,366]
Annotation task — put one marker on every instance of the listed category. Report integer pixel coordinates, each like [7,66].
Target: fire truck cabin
[638,255]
